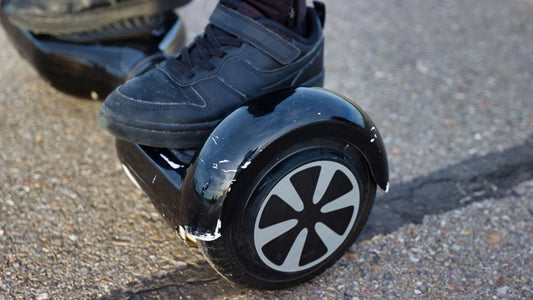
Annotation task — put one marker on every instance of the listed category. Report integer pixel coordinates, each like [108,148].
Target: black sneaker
[57,17]
[178,103]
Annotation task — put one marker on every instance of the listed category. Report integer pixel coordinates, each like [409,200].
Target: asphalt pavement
[448,83]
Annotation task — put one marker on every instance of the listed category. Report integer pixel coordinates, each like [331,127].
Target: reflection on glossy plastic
[197,194]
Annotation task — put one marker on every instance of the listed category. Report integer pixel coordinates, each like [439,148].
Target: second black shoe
[178,103]
[59,17]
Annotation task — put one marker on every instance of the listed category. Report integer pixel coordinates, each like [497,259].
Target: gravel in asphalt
[449,84]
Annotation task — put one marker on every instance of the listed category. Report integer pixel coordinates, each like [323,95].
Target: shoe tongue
[195,52]
[244,8]
[253,13]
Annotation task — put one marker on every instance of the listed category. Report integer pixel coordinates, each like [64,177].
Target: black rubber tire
[235,256]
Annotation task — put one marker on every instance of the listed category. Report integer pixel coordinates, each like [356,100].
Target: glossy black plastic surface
[264,128]
[160,174]
[202,195]
[81,69]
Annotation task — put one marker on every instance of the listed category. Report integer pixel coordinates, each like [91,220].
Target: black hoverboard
[279,190]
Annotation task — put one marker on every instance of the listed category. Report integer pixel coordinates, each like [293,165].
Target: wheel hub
[306,216]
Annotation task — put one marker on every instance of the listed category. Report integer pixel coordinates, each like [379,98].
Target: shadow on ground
[479,178]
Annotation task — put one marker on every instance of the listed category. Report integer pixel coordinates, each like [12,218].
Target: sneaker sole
[172,136]
[136,27]
[93,19]
[176,136]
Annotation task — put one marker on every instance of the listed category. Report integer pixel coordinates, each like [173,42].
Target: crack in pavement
[491,176]
[195,280]
[147,292]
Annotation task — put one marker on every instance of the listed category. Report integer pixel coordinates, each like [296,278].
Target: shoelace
[200,52]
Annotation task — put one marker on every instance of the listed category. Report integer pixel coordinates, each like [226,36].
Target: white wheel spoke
[331,239]
[346,200]
[324,179]
[292,261]
[286,191]
[265,235]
